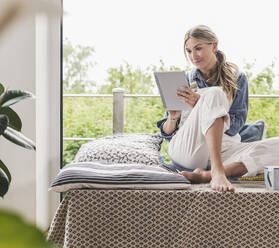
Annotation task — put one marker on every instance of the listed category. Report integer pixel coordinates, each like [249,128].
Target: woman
[205,142]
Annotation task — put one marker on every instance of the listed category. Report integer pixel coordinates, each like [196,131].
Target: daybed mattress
[192,217]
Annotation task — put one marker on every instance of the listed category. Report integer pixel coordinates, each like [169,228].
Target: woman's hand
[187,95]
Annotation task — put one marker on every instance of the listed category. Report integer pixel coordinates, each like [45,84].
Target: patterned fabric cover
[122,148]
[196,218]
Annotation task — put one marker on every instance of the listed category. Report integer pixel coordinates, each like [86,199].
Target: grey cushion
[253,131]
[116,176]
[122,148]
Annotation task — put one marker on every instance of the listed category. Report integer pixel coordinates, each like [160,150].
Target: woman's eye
[188,51]
[198,48]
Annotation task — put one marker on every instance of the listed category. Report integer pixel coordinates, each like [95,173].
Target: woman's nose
[195,55]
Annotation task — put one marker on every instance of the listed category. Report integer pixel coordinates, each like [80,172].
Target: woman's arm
[169,125]
[239,109]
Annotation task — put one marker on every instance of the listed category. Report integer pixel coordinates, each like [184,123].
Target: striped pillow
[116,176]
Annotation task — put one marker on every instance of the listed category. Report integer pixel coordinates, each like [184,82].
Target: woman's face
[201,54]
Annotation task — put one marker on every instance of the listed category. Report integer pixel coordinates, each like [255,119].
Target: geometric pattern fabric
[194,218]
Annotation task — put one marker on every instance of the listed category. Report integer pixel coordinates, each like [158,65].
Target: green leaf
[11,97]
[17,233]
[6,170]
[14,119]
[18,138]
[3,123]
[2,89]
[4,184]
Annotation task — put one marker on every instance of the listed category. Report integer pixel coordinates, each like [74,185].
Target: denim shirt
[238,111]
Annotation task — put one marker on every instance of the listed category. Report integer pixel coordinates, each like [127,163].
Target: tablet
[168,82]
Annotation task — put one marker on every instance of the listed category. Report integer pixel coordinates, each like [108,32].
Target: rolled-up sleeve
[160,125]
[239,109]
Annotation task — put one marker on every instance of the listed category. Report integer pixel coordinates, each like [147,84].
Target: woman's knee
[215,91]
[216,96]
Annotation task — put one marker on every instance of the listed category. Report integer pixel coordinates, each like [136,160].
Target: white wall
[18,71]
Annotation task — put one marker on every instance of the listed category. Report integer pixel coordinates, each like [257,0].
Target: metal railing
[118,96]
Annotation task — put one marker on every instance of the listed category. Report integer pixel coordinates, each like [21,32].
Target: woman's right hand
[174,114]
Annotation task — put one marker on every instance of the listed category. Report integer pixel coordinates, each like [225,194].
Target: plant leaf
[3,123]
[2,89]
[4,183]
[14,119]
[6,170]
[11,97]
[15,232]
[18,138]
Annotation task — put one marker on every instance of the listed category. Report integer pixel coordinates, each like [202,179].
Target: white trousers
[188,146]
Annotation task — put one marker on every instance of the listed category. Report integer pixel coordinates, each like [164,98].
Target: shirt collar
[197,75]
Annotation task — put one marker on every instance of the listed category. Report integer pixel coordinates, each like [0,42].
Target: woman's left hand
[187,95]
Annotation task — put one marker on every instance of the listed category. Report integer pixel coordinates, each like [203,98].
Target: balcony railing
[118,96]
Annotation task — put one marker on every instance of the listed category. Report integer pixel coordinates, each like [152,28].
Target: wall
[18,70]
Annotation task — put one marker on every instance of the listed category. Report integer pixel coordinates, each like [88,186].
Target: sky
[142,32]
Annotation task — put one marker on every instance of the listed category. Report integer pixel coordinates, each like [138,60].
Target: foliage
[134,81]
[266,109]
[16,233]
[10,128]
[85,117]
[262,83]
[77,62]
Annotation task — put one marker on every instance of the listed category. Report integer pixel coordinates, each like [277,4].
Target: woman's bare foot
[219,182]
[197,176]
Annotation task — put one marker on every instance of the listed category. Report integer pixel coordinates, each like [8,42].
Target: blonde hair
[225,73]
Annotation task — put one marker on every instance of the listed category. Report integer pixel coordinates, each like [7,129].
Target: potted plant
[10,128]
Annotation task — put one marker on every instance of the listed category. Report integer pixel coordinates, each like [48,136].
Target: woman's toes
[231,189]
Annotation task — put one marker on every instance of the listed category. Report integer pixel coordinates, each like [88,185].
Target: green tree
[133,80]
[266,109]
[261,83]
[77,62]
